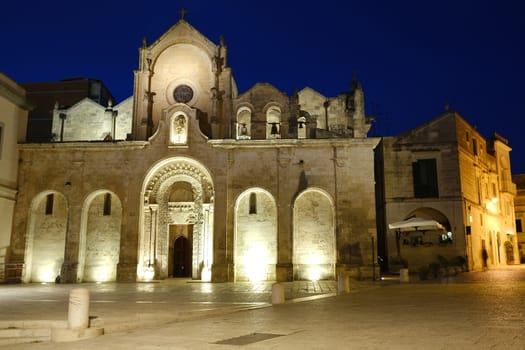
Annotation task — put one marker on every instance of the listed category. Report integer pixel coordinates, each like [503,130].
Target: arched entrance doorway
[176,238]
[181,257]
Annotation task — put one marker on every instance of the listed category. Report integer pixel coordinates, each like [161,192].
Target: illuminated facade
[13,122]
[190,178]
[446,171]
[519,211]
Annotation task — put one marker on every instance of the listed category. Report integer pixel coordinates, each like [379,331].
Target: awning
[416,224]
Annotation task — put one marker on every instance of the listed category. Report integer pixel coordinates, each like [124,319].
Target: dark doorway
[181,257]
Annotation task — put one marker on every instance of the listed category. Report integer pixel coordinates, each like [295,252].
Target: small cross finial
[183,13]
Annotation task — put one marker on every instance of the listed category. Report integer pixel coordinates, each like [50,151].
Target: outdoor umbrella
[413,224]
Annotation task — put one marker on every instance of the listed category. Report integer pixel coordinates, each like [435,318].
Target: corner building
[190,178]
[445,170]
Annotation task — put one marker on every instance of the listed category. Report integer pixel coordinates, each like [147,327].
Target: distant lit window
[519,228]
[445,238]
[475,147]
[467,136]
[424,172]
[49,203]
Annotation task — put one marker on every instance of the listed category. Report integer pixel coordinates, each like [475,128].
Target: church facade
[191,178]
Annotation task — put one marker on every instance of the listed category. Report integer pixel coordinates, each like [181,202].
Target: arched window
[244,121]
[49,203]
[273,123]
[301,128]
[253,203]
[107,204]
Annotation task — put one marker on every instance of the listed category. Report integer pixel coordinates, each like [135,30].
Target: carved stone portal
[178,203]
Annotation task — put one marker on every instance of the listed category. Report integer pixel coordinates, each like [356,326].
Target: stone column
[69,269]
[207,239]
[152,233]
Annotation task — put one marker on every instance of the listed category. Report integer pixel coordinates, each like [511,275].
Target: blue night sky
[410,56]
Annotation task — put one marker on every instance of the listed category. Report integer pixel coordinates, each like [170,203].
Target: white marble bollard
[277,293]
[404,276]
[343,284]
[78,313]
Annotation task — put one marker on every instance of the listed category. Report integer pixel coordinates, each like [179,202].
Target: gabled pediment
[182,33]
[85,103]
[439,129]
[263,87]
[309,92]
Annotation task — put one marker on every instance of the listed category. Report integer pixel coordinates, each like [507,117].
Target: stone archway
[255,250]
[177,192]
[99,248]
[423,246]
[46,237]
[313,236]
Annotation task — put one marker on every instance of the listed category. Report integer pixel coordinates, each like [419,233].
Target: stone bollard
[404,276]
[77,319]
[343,284]
[277,293]
[78,313]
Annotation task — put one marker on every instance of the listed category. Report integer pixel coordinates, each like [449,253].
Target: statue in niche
[178,131]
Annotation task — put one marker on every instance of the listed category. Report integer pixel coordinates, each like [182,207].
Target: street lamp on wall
[63,117]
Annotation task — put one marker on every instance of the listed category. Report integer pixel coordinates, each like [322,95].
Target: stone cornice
[8,90]
[8,193]
[87,145]
[294,143]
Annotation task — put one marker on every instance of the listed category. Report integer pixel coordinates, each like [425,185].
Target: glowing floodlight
[47,272]
[206,274]
[314,273]
[255,261]
[148,273]
[101,273]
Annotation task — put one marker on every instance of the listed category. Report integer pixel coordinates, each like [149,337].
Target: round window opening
[183,94]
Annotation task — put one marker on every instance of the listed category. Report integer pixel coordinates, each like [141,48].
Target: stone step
[24,340]
[25,333]
[25,324]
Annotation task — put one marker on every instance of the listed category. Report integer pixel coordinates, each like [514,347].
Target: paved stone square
[482,310]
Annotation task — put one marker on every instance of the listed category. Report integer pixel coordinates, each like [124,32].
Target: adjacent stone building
[519,210]
[49,96]
[190,177]
[13,122]
[444,170]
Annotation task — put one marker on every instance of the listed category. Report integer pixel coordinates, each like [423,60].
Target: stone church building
[190,177]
